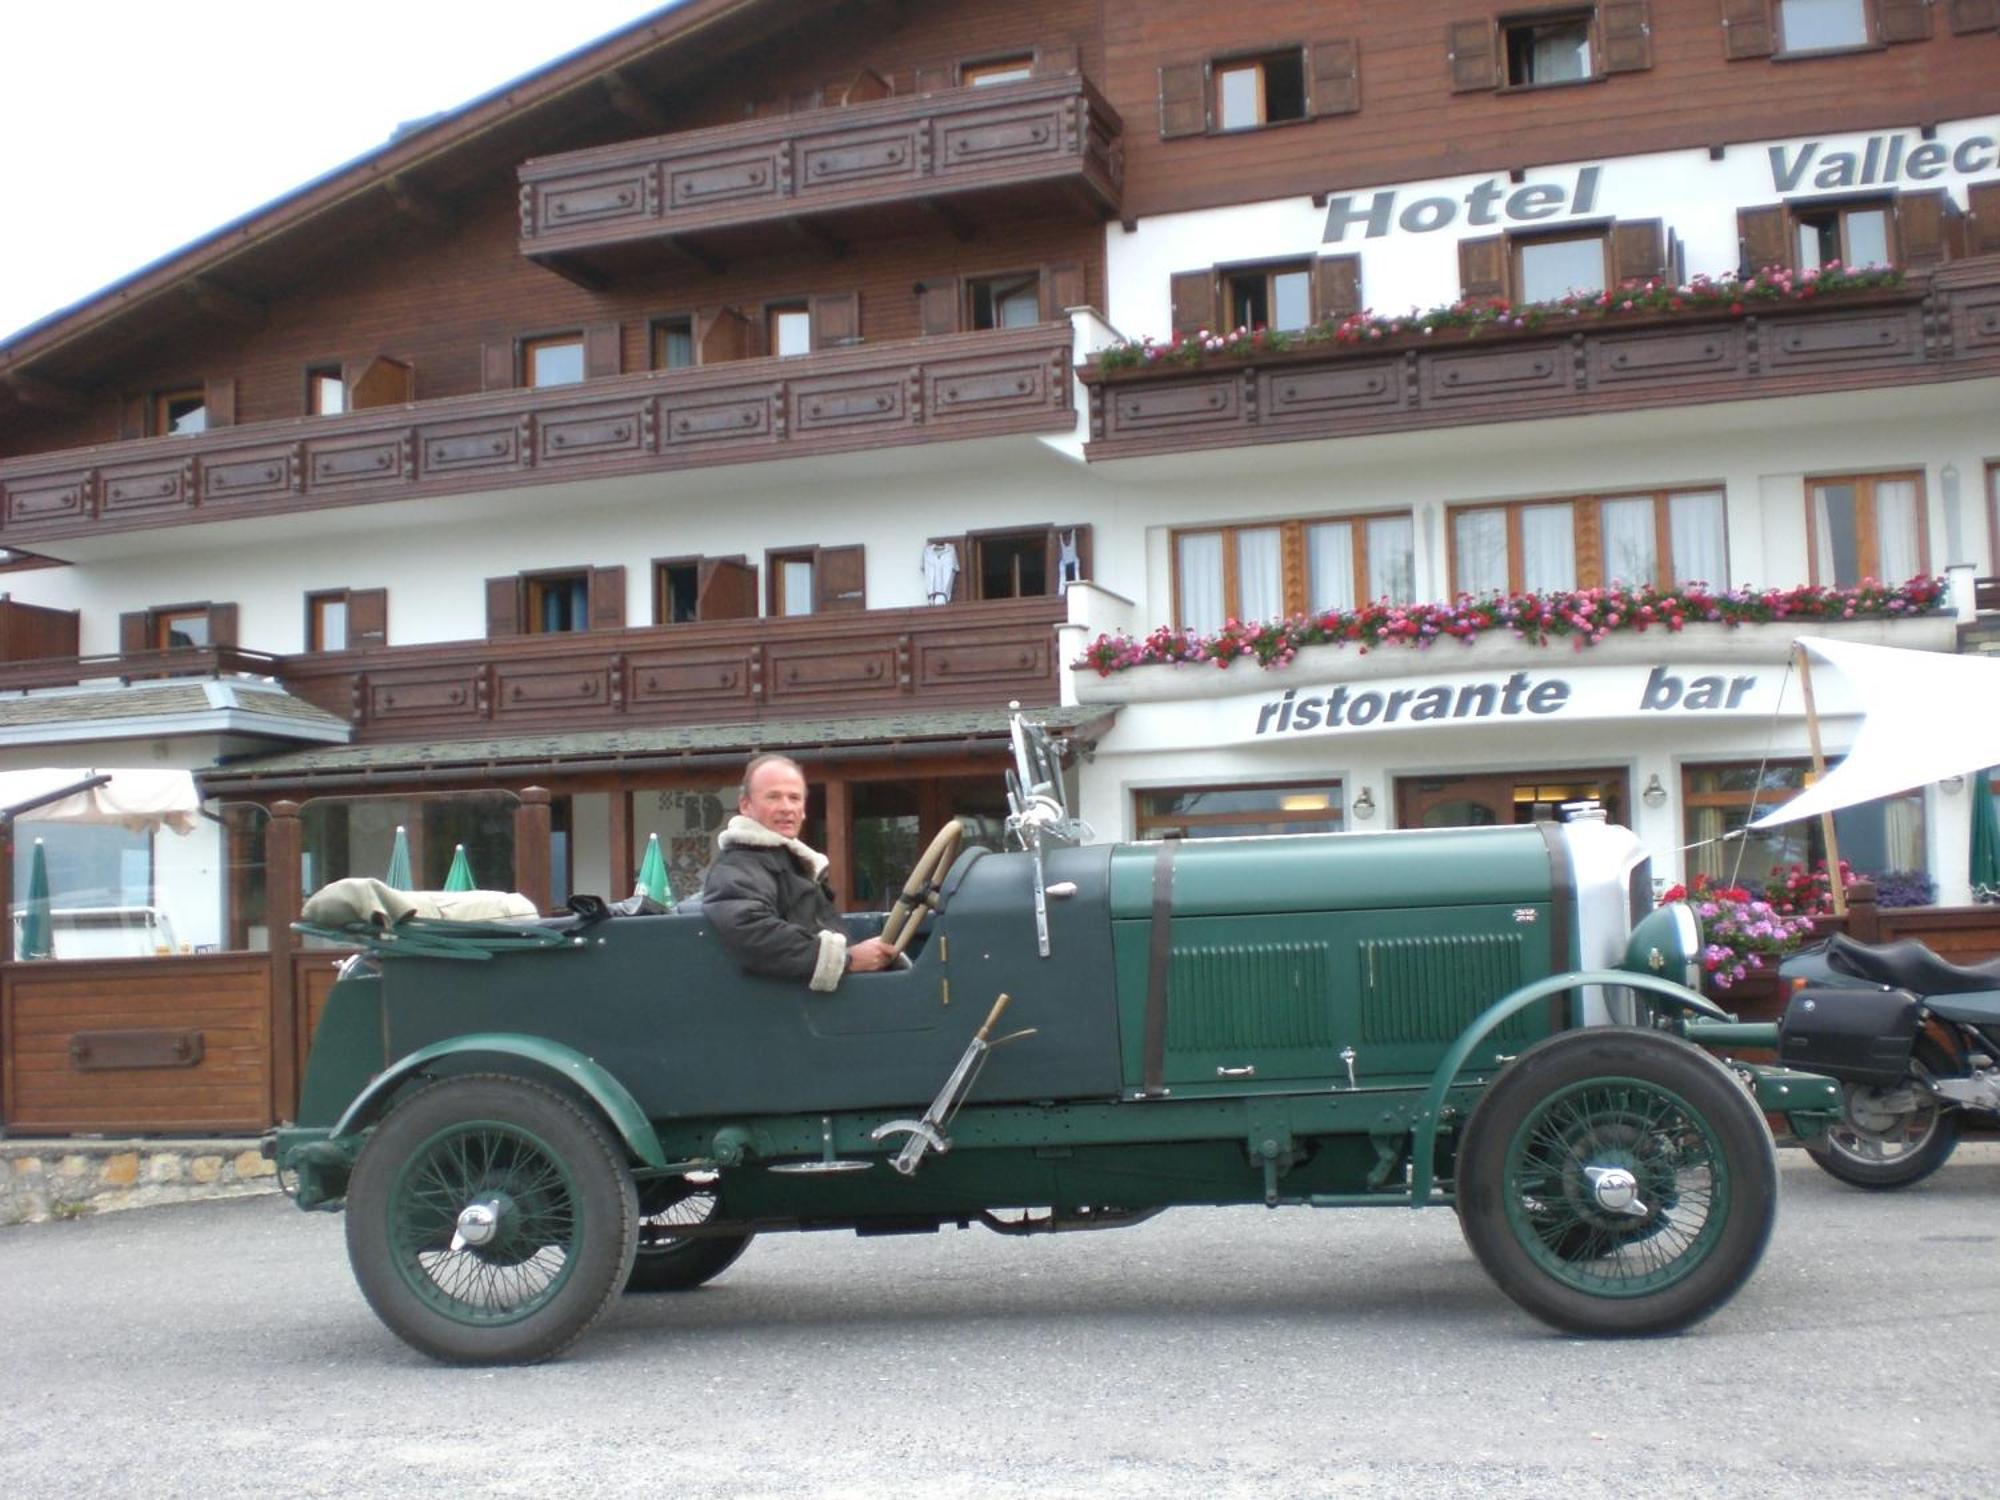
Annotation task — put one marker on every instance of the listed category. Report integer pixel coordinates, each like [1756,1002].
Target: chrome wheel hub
[479,1223]
[1616,1191]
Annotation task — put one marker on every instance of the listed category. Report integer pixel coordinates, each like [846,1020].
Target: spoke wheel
[490,1221]
[669,1261]
[1617,1181]
[1886,1138]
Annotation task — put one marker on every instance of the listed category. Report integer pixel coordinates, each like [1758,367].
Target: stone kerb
[62,1179]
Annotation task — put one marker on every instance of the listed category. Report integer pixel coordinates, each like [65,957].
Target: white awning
[137,799]
[1926,715]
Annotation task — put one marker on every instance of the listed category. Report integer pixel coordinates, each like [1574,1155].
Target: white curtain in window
[1330,566]
[1480,539]
[1201,582]
[1837,550]
[1696,530]
[1807,25]
[1626,530]
[1903,832]
[1548,548]
[1392,559]
[1896,529]
[1260,581]
[1562,53]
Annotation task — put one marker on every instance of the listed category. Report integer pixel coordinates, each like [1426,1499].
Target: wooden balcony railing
[730,671]
[1043,145]
[1945,326]
[136,666]
[869,396]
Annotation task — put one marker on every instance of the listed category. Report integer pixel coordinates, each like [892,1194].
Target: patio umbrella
[653,874]
[37,931]
[1985,840]
[398,877]
[460,877]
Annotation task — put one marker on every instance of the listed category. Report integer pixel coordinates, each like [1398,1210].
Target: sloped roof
[198,706]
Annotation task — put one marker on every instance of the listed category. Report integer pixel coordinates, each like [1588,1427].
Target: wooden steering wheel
[919,894]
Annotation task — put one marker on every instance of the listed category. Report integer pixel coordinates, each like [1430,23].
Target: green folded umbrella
[460,878]
[1985,840]
[37,929]
[653,874]
[398,877]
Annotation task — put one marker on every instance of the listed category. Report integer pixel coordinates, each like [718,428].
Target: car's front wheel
[670,1259]
[1616,1181]
[490,1220]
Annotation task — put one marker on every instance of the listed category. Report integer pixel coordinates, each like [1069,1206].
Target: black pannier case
[1858,1036]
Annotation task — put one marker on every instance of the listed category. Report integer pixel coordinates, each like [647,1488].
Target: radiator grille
[1250,996]
[1427,989]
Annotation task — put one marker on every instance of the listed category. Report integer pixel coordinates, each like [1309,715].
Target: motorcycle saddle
[1909,965]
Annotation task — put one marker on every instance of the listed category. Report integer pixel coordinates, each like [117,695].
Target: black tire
[671,1262]
[1880,1148]
[1705,1182]
[565,1229]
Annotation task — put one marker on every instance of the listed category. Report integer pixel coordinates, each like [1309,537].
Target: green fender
[605,1091]
[1423,1151]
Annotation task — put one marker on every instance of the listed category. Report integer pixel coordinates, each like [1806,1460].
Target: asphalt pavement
[221,1349]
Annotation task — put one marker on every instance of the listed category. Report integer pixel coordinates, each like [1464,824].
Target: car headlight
[1667,943]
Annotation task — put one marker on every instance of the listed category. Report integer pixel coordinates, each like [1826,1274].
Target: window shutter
[1062,289]
[1052,62]
[1627,30]
[1927,228]
[218,398]
[367,617]
[1760,238]
[1183,100]
[1469,50]
[725,589]
[391,382]
[503,606]
[1336,77]
[727,335]
[1746,28]
[222,625]
[840,579]
[931,80]
[496,366]
[606,589]
[960,580]
[132,417]
[1972,15]
[1336,286]
[132,633]
[1903,20]
[1482,266]
[602,351]
[1982,227]
[836,320]
[1638,251]
[1194,302]
[937,305]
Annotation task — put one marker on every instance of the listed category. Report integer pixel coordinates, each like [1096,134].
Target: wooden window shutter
[390,382]
[1761,238]
[1965,16]
[1053,62]
[1194,302]
[1336,286]
[1627,32]
[132,417]
[222,625]
[961,580]
[1982,227]
[503,606]
[937,305]
[496,366]
[1746,29]
[1638,250]
[1062,289]
[367,617]
[836,320]
[133,636]
[218,398]
[725,589]
[1482,266]
[1183,100]
[1336,77]
[840,579]
[1469,51]
[1927,228]
[1903,20]
[606,590]
[725,335]
[603,352]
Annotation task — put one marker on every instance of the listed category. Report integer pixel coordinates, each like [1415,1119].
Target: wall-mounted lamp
[1364,805]
[1952,784]
[1654,795]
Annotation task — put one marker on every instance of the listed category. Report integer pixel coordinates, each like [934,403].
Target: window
[673,343]
[687,589]
[558,603]
[1012,566]
[1854,235]
[1223,812]
[1267,88]
[997,70]
[556,360]
[1547,269]
[1012,301]
[788,329]
[1662,538]
[180,413]
[1867,526]
[792,583]
[174,629]
[1277,296]
[1022,562]
[1717,800]
[1255,91]
[1822,25]
[1255,573]
[326,621]
[326,393]
[1507,797]
[1547,49]
[813,580]
[1266,294]
[555,602]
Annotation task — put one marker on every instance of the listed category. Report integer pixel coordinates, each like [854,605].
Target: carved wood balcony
[1942,327]
[136,666]
[731,671]
[743,411]
[1039,148]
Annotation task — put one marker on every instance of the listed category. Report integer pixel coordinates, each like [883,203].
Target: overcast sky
[130,127]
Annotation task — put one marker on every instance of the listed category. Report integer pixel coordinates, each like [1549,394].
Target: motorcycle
[1913,1040]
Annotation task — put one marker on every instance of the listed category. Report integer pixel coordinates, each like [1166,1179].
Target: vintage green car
[524,1118]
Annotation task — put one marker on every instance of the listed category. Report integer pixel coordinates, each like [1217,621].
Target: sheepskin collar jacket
[768,899]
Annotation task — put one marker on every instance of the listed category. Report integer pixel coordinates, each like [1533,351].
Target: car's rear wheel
[1616,1181]
[490,1221]
[669,1259]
